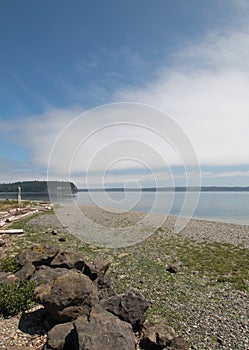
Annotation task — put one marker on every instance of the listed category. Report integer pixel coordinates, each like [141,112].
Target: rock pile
[83,311]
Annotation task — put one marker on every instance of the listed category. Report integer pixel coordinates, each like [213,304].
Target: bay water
[230,207]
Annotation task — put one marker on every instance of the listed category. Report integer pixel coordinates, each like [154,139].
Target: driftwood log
[12,231]
[17,214]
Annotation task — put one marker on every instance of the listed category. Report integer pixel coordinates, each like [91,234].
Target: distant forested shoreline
[39,186]
[170,189]
[64,186]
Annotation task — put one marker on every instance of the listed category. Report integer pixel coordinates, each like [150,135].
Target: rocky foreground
[196,281]
[82,311]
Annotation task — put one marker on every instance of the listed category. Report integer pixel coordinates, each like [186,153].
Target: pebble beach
[90,222]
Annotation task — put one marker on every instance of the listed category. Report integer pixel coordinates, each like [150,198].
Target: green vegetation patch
[9,264]
[16,298]
[217,262]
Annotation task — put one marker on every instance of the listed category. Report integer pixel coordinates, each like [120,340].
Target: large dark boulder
[60,337]
[130,307]
[37,255]
[70,295]
[103,331]
[113,305]
[46,275]
[69,260]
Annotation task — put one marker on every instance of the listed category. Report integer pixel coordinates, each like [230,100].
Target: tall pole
[19,198]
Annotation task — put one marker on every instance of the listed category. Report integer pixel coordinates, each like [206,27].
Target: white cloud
[226,174]
[39,133]
[12,171]
[118,137]
[226,51]
[208,95]
[105,143]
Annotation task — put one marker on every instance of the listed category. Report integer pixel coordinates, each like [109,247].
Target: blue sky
[188,58]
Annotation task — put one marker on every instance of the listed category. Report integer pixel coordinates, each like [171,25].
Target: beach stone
[133,308]
[60,337]
[37,255]
[130,307]
[12,279]
[103,331]
[71,295]
[157,336]
[178,343]
[2,243]
[112,304]
[101,266]
[8,277]
[173,269]
[96,269]
[26,271]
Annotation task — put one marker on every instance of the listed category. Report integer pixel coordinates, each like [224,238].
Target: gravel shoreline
[100,227]
[210,316]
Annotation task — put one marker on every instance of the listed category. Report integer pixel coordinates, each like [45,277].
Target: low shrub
[9,264]
[16,298]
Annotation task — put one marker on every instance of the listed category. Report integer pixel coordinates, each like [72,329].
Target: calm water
[220,206]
